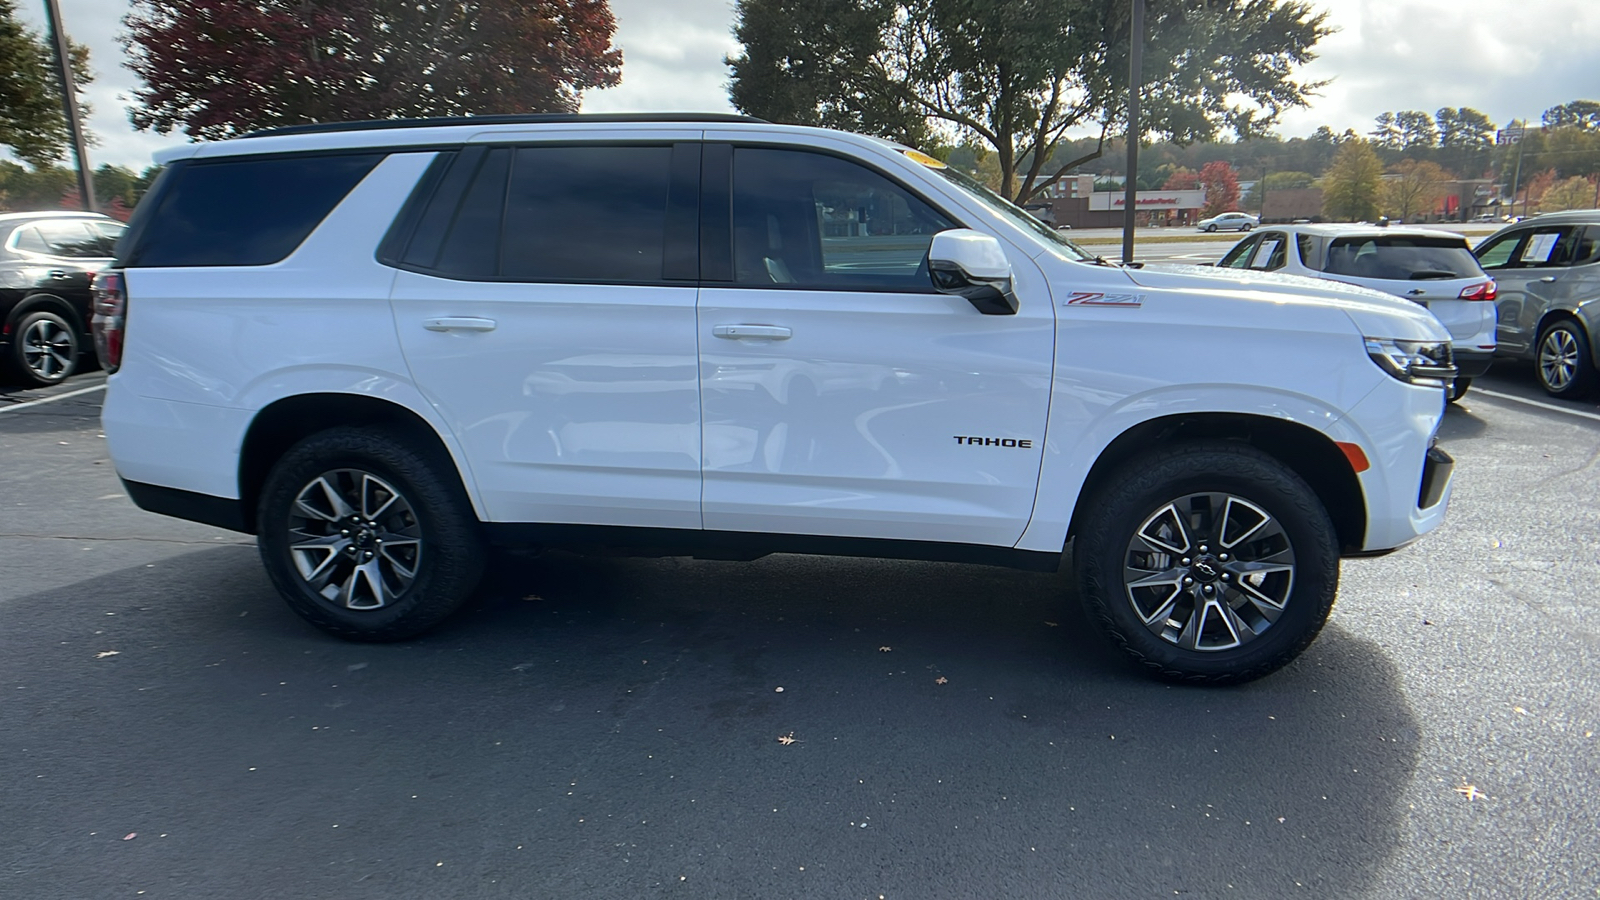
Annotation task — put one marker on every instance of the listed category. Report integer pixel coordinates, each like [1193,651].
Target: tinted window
[1496,254]
[586,214]
[472,247]
[1401,258]
[242,212]
[1546,247]
[817,221]
[1304,244]
[1588,246]
[108,233]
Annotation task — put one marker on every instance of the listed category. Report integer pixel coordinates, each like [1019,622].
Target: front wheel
[1207,563]
[1566,369]
[368,537]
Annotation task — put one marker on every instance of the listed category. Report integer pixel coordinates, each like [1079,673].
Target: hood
[1374,313]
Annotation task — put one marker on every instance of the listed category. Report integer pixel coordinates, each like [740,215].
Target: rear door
[842,395]
[546,309]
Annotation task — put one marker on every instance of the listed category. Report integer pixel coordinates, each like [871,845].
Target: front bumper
[1407,486]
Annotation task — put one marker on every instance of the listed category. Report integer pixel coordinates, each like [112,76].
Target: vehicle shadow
[609,727]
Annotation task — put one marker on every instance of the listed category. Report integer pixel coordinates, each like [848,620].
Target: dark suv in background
[47,260]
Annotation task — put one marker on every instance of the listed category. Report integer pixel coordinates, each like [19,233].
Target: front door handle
[57,274]
[458,323]
[1548,279]
[751,332]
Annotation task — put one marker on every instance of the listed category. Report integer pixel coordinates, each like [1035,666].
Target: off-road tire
[451,553]
[1128,497]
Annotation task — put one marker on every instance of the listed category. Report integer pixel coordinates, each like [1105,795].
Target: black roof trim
[516,119]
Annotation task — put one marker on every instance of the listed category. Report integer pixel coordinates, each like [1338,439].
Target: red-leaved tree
[1221,184]
[216,68]
[1182,179]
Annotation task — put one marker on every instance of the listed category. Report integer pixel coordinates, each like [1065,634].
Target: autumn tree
[1572,193]
[1351,187]
[1182,179]
[1019,74]
[1415,188]
[1533,192]
[1221,184]
[32,123]
[215,68]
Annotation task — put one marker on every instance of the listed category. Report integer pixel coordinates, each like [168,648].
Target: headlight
[1417,362]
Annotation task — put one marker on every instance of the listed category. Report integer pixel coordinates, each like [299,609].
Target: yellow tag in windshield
[925,159]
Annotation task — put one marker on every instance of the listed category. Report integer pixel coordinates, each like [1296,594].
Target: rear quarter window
[247,211]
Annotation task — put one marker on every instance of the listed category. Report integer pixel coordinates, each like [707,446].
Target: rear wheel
[367,537]
[1566,369]
[1208,563]
[1211,228]
[1246,227]
[44,350]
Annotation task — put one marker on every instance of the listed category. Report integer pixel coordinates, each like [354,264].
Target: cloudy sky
[1508,58]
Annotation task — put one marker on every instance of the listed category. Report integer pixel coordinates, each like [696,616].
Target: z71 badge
[1085,298]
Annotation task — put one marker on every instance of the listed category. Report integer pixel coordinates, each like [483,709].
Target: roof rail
[511,119]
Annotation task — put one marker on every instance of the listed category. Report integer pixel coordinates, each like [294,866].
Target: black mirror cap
[989,298]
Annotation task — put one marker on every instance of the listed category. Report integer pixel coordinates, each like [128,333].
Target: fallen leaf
[131,835]
[1519,710]
[105,653]
[1470,791]
[941,680]
[786,739]
[884,649]
[777,690]
[1054,624]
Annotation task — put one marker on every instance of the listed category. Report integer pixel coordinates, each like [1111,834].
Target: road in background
[609,728]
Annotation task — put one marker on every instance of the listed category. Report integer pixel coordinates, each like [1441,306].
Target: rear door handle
[751,332]
[57,273]
[458,323]
[1548,279]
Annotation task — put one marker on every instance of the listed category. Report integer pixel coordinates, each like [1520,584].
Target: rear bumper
[1472,363]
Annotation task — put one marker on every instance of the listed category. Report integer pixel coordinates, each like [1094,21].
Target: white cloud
[1507,59]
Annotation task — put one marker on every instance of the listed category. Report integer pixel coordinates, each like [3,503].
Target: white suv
[381,347]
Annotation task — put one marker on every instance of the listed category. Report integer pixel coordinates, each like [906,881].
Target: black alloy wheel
[367,536]
[1208,563]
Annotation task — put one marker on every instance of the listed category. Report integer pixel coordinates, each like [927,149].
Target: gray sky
[1508,58]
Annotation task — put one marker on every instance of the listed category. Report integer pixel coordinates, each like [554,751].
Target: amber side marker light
[1354,453]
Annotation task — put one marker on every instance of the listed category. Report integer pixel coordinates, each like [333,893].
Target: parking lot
[610,727]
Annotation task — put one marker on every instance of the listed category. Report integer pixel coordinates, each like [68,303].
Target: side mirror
[972,264]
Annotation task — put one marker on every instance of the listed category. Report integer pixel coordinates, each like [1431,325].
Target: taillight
[1485,290]
[110,318]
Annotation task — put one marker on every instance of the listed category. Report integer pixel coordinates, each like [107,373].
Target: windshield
[1006,208]
[1402,258]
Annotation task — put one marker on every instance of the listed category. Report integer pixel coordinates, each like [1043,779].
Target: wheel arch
[47,301]
[284,423]
[1307,452]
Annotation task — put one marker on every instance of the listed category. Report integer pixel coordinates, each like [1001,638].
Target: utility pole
[1130,189]
[69,104]
[1516,176]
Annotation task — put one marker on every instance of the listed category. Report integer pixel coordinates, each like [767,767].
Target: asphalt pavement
[599,728]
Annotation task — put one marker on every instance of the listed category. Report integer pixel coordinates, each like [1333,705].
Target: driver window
[1545,248]
[1269,255]
[809,220]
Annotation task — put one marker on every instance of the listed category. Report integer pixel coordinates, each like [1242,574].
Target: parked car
[1431,268]
[1548,270]
[46,262]
[1228,221]
[717,336]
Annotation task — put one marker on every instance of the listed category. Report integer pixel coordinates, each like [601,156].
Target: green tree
[31,121]
[1417,131]
[1466,138]
[1415,188]
[1019,74]
[1573,193]
[1351,187]
[1584,114]
[1276,181]
[1385,132]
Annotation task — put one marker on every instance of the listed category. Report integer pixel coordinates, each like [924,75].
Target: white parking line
[1550,406]
[68,395]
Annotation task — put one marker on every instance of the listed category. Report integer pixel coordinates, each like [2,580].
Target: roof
[1347,229]
[1570,215]
[521,119]
[51,214]
[400,134]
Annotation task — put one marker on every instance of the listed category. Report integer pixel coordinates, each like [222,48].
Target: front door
[841,395]
[1526,266]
